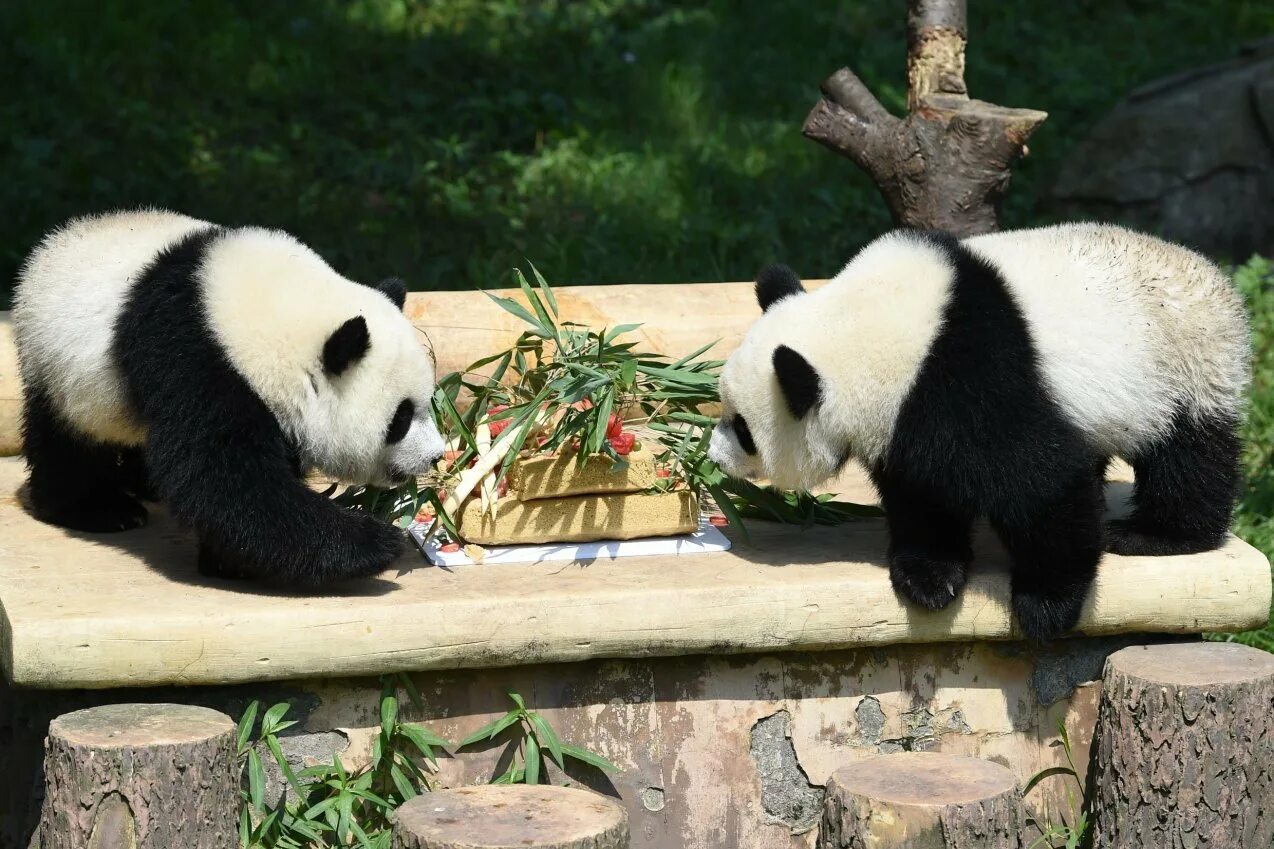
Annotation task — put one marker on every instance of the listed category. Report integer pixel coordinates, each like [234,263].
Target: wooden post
[1185,748]
[141,777]
[946,165]
[516,816]
[922,800]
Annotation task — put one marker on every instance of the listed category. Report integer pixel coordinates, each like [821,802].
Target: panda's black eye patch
[401,422]
[743,434]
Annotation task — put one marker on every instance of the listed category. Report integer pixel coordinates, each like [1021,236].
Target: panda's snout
[725,451]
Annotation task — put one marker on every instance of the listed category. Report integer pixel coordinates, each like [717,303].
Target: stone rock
[1190,156]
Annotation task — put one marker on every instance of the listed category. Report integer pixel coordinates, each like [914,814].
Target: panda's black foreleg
[1185,490]
[74,482]
[1054,546]
[135,478]
[929,547]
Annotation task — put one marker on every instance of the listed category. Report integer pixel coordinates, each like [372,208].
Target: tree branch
[936,35]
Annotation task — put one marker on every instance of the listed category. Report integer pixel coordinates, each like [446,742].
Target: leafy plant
[1077,833]
[328,805]
[537,743]
[557,388]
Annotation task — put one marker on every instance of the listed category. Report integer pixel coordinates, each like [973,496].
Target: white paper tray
[705,540]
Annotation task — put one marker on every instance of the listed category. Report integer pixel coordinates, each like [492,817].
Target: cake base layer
[581,518]
[560,475]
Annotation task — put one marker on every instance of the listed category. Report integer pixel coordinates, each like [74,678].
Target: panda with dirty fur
[165,357]
[996,377]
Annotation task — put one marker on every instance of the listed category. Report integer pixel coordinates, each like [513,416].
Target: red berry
[450,548]
[498,426]
[663,473]
[718,520]
[623,443]
[614,426]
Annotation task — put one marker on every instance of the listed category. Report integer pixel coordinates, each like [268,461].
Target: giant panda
[210,367]
[996,377]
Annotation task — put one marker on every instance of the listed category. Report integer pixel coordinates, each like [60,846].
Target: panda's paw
[375,545]
[930,582]
[1047,615]
[100,513]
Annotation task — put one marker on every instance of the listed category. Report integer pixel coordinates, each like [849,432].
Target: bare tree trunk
[947,164]
[141,777]
[922,800]
[1185,748]
[516,816]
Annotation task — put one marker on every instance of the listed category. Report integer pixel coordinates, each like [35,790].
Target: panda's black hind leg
[74,483]
[1185,490]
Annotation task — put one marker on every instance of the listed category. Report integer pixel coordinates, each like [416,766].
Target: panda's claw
[930,582]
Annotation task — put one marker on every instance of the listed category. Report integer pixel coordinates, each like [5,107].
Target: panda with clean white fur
[997,376]
[211,367]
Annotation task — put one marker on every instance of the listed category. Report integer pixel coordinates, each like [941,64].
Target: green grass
[1254,521]
[607,140]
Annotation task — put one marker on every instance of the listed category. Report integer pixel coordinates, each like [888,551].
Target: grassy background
[606,140]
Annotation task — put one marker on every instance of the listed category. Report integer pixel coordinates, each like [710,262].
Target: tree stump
[922,800]
[1185,747]
[946,165]
[141,777]
[516,816]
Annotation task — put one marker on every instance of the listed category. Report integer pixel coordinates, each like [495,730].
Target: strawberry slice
[450,548]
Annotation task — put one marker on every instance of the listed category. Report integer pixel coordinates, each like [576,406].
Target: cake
[554,498]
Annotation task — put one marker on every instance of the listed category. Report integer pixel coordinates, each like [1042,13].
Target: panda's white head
[337,363]
[773,396]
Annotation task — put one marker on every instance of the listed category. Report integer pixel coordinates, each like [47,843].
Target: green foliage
[1254,519]
[328,805]
[536,743]
[580,375]
[1075,833]
[616,140]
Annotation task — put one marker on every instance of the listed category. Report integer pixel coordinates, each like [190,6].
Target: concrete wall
[715,752]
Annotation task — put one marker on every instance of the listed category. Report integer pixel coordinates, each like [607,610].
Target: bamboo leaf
[1043,774]
[405,791]
[548,738]
[545,288]
[589,758]
[514,308]
[246,722]
[532,760]
[256,780]
[490,730]
[388,714]
[272,716]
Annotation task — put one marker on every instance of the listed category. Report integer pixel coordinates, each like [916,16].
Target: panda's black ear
[775,283]
[801,385]
[346,345]
[394,289]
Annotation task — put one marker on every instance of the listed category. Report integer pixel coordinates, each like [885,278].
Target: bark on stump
[140,776]
[516,816]
[1185,748]
[946,165]
[922,800]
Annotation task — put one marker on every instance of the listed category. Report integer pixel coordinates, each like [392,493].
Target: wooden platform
[130,609]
